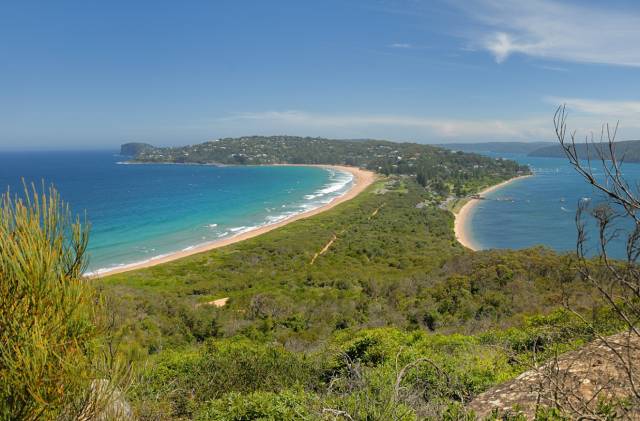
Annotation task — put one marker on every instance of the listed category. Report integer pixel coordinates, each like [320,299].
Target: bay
[141,212]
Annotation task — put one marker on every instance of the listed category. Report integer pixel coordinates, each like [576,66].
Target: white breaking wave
[337,186]
[339,181]
[243,229]
[106,270]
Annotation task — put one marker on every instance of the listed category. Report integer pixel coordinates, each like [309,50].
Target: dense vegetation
[395,320]
[134,148]
[370,311]
[52,359]
[313,336]
[405,269]
[439,169]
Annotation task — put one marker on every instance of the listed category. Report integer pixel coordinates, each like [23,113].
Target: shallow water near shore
[541,210]
[143,212]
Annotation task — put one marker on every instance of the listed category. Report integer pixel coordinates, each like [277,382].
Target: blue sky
[94,74]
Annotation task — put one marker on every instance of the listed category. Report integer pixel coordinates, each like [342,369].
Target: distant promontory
[134,148]
[627,151]
[440,170]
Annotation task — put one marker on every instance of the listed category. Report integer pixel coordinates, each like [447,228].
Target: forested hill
[442,169]
[499,147]
[134,148]
[628,150]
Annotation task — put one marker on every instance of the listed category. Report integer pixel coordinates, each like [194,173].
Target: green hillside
[498,147]
[134,148]
[628,151]
[301,333]
[440,170]
[368,311]
[324,316]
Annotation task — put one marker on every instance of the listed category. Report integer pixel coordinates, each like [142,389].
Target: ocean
[139,212]
[540,210]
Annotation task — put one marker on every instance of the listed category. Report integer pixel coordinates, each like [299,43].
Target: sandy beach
[462,223]
[361,180]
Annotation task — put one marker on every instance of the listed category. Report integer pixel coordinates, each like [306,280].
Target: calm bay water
[540,210]
[138,212]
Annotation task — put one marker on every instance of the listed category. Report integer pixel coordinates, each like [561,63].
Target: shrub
[187,379]
[48,313]
[284,406]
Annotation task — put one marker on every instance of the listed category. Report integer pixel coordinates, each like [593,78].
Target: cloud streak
[401,45]
[588,116]
[391,126]
[558,31]
[617,109]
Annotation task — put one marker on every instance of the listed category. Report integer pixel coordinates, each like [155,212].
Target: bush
[187,379]
[284,406]
[48,335]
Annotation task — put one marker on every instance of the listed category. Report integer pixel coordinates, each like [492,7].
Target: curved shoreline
[462,217]
[361,180]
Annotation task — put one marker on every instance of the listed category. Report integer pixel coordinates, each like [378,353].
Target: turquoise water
[142,212]
[540,210]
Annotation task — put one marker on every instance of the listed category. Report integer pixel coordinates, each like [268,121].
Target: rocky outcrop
[577,382]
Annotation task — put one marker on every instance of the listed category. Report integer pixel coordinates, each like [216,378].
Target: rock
[575,381]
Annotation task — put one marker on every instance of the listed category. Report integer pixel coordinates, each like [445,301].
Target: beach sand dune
[361,180]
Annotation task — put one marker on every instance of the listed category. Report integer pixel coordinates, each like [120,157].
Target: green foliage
[395,321]
[264,406]
[517,415]
[48,335]
[455,411]
[375,374]
[294,325]
[433,167]
[188,379]
[391,264]
[275,291]
[134,148]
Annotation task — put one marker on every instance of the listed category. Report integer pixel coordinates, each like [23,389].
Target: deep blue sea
[141,212]
[540,210]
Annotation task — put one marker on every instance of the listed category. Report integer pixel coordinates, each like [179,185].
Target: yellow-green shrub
[47,311]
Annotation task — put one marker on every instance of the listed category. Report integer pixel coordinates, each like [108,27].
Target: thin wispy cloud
[404,126]
[588,116]
[549,29]
[401,45]
[617,109]
[553,68]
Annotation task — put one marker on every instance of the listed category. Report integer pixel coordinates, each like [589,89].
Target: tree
[616,282]
[51,360]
